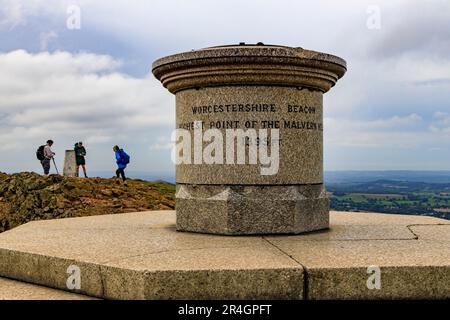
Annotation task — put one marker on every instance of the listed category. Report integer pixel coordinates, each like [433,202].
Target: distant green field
[422,202]
[364,196]
[392,196]
[376,195]
[380,196]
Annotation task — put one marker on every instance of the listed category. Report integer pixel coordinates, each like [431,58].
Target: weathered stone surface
[432,232]
[251,209]
[141,256]
[414,262]
[70,166]
[250,99]
[301,145]
[28,196]
[15,290]
[249,65]
[339,269]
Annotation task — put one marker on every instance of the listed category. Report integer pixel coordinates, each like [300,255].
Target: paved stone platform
[142,256]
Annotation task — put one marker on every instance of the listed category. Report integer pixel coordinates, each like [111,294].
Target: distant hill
[29,196]
[334,177]
[389,186]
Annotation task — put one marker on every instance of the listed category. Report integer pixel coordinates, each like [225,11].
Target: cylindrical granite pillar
[266,100]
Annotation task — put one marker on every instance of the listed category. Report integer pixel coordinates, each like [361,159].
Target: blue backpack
[124,157]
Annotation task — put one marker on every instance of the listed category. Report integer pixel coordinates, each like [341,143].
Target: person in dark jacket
[80,153]
[120,172]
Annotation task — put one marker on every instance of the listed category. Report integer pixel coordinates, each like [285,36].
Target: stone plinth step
[16,290]
[142,256]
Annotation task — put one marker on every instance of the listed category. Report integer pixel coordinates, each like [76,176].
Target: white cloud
[162,143]
[395,122]
[159,146]
[418,70]
[394,132]
[78,86]
[11,14]
[441,123]
[443,118]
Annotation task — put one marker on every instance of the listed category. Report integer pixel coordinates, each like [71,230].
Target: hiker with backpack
[80,153]
[122,159]
[45,155]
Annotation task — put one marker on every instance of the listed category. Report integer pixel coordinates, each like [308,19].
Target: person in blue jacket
[122,159]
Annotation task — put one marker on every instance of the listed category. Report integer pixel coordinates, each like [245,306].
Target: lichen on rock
[28,196]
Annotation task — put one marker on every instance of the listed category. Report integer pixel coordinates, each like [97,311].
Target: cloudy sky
[91,81]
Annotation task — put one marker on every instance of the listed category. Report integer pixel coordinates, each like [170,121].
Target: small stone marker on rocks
[70,166]
[249,137]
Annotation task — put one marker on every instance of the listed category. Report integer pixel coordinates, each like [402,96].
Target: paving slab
[411,252]
[144,252]
[368,218]
[432,232]
[142,256]
[15,290]
[340,269]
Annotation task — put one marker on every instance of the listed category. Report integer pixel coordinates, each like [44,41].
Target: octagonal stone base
[243,210]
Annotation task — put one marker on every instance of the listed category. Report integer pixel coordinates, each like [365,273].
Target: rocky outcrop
[29,196]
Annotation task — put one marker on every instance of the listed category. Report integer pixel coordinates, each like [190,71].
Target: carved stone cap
[249,65]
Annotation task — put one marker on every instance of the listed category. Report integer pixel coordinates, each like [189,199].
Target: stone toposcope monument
[249,138]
